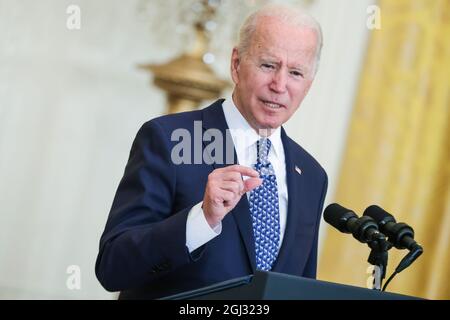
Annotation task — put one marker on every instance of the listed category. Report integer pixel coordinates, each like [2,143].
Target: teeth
[272,105]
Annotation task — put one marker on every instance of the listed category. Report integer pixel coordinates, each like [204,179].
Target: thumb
[252,183]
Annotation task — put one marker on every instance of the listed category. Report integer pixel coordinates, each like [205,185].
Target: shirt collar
[244,136]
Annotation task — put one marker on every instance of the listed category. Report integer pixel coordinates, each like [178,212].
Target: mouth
[272,105]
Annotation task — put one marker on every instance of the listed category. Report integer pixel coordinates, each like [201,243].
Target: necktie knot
[263,147]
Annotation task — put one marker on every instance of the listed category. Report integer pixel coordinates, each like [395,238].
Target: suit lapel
[214,118]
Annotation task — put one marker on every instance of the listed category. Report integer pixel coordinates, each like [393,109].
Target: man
[175,227]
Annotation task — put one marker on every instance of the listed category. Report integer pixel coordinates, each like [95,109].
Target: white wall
[70,105]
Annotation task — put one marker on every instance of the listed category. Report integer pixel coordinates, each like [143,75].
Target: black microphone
[399,234]
[363,229]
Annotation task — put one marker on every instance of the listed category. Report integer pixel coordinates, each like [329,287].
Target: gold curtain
[398,148]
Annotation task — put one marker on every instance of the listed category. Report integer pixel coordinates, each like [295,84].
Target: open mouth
[272,105]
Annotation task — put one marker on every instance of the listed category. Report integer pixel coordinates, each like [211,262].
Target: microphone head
[400,234]
[379,215]
[337,216]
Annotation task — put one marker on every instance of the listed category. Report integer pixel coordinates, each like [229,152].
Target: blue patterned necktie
[264,210]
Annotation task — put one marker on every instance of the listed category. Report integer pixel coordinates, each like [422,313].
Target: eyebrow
[276,61]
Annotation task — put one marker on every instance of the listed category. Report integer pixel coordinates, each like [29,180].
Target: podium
[277,286]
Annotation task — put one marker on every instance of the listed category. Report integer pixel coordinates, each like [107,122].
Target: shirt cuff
[198,230]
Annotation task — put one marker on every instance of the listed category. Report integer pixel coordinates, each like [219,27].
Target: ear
[234,66]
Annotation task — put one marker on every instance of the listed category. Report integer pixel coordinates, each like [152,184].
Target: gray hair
[287,14]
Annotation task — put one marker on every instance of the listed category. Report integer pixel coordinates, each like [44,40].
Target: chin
[269,124]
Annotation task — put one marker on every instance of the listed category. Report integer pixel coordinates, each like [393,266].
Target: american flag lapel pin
[299,171]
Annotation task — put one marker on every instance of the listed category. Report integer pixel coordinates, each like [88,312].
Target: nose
[279,81]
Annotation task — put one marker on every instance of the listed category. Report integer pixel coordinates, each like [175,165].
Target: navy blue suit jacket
[143,249]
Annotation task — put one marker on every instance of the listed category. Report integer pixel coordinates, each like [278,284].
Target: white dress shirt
[198,231]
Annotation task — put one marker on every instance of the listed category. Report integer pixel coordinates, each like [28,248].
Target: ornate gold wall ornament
[188,79]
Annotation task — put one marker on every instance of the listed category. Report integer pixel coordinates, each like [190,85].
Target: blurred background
[78,78]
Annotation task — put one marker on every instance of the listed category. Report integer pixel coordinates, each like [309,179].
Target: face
[274,75]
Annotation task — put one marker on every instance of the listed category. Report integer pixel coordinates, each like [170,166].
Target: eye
[267,66]
[297,74]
